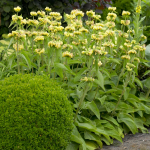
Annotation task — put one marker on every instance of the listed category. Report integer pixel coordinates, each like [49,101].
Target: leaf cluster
[96,63]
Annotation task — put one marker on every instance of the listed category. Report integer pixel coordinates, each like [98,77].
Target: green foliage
[34,114]
[121,5]
[7,8]
[145,12]
[96,62]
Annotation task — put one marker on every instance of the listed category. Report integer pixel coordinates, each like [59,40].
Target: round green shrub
[35,114]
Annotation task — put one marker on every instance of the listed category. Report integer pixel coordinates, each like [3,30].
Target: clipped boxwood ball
[35,114]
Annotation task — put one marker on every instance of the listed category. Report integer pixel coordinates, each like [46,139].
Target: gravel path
[138,141]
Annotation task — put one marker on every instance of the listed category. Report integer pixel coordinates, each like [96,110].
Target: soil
[139,141]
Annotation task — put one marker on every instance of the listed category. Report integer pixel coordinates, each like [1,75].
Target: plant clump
[96,61]
[34,114]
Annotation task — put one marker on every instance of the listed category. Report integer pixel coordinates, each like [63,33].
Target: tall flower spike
[138,8]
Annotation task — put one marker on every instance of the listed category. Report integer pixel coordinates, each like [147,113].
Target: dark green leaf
[6,9]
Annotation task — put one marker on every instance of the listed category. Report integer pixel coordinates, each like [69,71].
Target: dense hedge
[34,114]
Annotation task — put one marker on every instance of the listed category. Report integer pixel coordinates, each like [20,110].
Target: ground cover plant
[95,62]
[34,113]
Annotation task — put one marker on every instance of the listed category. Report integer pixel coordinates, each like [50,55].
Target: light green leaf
[76,137]
[128,120]
[63,67]
[114,60]
[111,119]
[11,59]
[102,99]
[42,68]
[72,146]
[126,93]
[109,106]
[139,123]
[147,83]
[93,107]
[147,72]
[146,108]
[1,64]
[147,52]
[93,128]
[25,56]
[100,80]
[78,75]
[142,19]
[111,91]
[106,140]
[91,136]
[4,42]
[120,131]
[91,145]
[133,102]
[70,61]
[113,133]
[105,71]
[123,106]
[138,82]
[11,41]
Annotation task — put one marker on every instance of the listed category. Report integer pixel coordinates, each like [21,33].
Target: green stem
[126,83]
[118,101]
[81,101]
[18,58]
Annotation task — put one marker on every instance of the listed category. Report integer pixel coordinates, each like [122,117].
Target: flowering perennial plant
[96,62]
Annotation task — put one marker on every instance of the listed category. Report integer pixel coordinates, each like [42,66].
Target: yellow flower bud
[17,9]
[48,9]
[33,13]
[112,8]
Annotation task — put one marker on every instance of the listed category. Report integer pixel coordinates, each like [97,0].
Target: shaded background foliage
[7,6]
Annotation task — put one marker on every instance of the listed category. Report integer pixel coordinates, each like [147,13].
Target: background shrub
[34,114]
